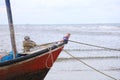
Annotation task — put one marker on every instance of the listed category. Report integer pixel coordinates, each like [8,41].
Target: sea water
[66,67]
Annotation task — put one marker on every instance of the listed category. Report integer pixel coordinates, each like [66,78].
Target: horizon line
[64,24]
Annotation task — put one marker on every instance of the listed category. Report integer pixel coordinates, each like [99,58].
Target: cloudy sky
[62,11]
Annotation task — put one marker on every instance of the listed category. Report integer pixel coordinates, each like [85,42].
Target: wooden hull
[31,67]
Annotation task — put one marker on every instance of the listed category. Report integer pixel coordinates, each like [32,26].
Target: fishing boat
[33,66]
[36,64]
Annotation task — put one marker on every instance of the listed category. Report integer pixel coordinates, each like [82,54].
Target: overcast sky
[62,11]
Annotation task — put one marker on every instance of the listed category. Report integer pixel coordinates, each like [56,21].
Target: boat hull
[35,68]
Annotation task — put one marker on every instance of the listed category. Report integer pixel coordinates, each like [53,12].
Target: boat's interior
[5,56]
[40,47]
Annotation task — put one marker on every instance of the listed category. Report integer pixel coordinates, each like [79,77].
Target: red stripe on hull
[35,68]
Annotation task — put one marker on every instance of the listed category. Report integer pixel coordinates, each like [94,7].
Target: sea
[100,48]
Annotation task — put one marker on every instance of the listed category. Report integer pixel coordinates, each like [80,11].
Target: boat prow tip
[66,38]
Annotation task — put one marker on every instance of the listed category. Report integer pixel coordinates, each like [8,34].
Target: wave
[99,57]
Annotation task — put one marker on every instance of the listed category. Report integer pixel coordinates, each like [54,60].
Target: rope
[50,55]
[48,43]
[90,66]
[95,45]
[87,50]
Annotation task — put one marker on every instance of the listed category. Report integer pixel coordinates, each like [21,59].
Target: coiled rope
[90,66]
[95,46]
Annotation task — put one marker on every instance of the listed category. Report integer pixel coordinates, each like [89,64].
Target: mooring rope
[94,45]
[89,65]
[77,49]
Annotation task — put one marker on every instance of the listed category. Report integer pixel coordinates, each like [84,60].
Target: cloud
[3,12]
[65,11]
[1,2]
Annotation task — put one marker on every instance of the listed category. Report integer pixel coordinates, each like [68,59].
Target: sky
[62,11]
